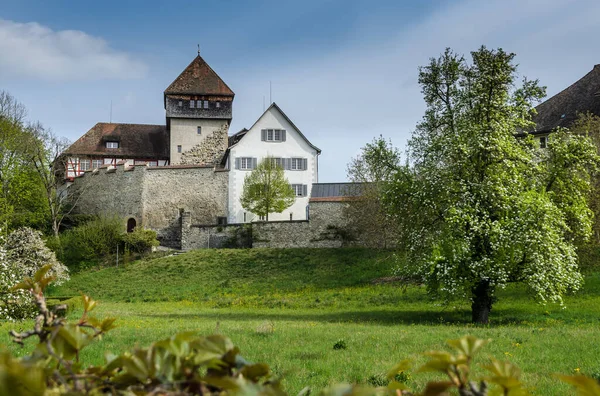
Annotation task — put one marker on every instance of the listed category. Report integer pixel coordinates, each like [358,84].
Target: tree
[371,170]
[26,250]
[49,164]
[266,190]
[479,207]
[21,199]
[588,124]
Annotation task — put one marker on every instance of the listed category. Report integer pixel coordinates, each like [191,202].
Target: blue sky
[343,71]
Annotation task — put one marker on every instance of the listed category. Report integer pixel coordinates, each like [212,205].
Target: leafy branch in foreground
[188,364]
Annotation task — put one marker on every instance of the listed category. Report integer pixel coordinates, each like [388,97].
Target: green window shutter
[304,190]
[254,161]
[237,163]
[304,164]
[263,135]
[283,135]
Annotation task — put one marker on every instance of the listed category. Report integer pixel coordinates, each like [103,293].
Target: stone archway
[131,223]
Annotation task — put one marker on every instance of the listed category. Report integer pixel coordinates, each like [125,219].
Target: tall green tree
[266,189]
[479,207]
[371,171]
[21,200]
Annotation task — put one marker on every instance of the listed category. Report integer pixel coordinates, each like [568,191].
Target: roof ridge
[127,123]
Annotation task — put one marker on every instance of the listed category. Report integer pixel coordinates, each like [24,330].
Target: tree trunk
[482,302]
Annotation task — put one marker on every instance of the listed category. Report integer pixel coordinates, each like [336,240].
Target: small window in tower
[206,104]
[192,104]
[543,142]
[112,145]
[218,104]
[199,104]
[199,130]
[181,103]
[179,148]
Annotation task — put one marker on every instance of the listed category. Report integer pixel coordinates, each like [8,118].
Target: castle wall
[202,191]
[153,196]
[326,228]
[110,192]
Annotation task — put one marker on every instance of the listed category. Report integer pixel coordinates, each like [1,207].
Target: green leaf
[468,345]
[585,386]
[255,371]
[398,368]
[439,388]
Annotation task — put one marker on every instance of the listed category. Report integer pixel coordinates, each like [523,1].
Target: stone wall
[325,229]
[108,191]
[202,191]
[153,196]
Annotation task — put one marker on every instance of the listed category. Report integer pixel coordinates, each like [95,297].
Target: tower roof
[561,110]
[199,79]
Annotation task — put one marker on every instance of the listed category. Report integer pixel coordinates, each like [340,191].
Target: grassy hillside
[288,307]
[214,275]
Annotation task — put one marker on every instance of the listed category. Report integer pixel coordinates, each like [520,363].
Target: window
[245,163]
[179,148]
[218,104]
[543,141]
[221,220]
[278,162]
[84,165]
[199,130]
[199,104]
[299,190]
[139,162]
[192,104]
[181,103]
[298,164]
[206,104]
[273,135]
[112,145]
[152,163]
[96,163]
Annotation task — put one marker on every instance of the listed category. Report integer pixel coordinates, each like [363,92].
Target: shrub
[26,250]
[340,344]
[91,242]
[140,241]
[14,305]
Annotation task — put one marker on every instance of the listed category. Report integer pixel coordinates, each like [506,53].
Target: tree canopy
[481,205]
[266,189]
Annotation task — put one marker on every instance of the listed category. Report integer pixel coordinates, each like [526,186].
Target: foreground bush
[22,255]
[188,364]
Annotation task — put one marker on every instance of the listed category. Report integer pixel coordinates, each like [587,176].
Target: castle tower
[198,107]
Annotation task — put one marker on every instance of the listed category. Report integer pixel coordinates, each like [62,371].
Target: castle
[150,174]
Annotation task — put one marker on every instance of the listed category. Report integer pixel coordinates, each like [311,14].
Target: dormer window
[112,145]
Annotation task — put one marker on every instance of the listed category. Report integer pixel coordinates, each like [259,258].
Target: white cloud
[35,51]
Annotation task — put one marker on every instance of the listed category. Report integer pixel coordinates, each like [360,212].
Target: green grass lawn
[289,307]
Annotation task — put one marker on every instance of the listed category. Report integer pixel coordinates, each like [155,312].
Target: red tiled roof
[199,79]
[135,141]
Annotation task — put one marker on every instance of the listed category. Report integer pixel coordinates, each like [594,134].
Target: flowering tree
[479,207]
[26,251]
[13,304]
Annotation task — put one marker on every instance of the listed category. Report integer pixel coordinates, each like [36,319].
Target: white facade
[300,154]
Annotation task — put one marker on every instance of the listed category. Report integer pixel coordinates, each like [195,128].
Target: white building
[272,135]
